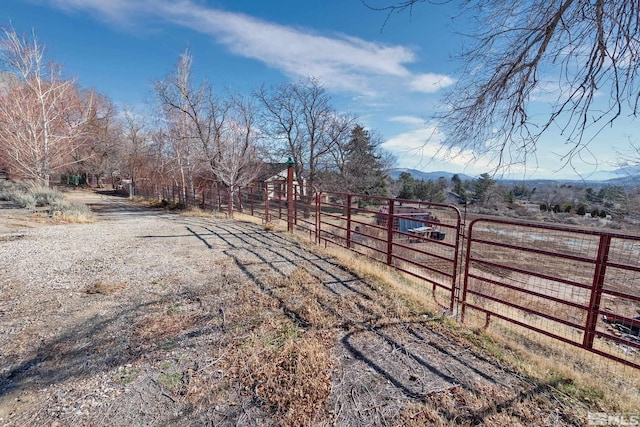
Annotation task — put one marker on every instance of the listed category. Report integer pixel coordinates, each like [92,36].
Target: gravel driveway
[147,317]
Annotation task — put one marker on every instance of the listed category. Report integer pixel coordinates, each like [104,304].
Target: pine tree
[364,170]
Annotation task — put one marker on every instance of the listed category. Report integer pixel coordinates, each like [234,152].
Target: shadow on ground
[388,365]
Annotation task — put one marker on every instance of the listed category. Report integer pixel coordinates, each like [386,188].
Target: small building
[274,177]
[455,198]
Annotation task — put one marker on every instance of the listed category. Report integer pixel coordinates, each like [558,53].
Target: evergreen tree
[407,186]
[459,187]
[482,188]
[364,169]
[430,191]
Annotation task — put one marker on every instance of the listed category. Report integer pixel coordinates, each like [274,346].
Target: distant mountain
[625,177]
[623,173]
[628,176]
[420,175]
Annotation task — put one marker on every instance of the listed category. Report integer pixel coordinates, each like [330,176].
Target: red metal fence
[419,238]
[581,287]
[269,202]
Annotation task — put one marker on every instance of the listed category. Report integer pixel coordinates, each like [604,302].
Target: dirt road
[146,317]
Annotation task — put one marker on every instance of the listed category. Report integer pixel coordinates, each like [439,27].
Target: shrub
[30,196]
[45,196]
[23,200]
[6,190]
[69,211]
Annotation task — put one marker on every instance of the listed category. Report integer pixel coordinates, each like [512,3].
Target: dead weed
[104,288]
[293,378]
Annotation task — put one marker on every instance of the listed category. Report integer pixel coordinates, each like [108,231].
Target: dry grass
[264,332]
[600,383]
[290,370]
[104,288]
[196,212]
[287,360]
[572,375]
[411,294]
[73,218]
[270,226]
[268,361]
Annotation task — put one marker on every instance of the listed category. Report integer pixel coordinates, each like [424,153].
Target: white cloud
[423,148]
[341,62]
[411,120]
[430,83]
[410,141]
[115,11]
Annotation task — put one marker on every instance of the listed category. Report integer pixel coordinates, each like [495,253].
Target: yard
[148,317]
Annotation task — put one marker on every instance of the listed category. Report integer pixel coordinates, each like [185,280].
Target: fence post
[266,202]
[390,232]
[467,264]
[458,258]
[596,291]
[296,199]
[348,221]
[290,201]
[318,200]
[251,199]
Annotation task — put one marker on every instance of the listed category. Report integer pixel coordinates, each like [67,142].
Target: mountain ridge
[624,176]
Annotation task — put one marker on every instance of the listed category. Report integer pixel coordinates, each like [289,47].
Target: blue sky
[392,75]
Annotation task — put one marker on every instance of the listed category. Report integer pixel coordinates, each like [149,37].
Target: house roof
[270,170]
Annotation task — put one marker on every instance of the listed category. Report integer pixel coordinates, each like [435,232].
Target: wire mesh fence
[417,238]
[577,286]
[567,285]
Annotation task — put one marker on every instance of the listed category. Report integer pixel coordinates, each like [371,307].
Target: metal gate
[581,287]
[418,238]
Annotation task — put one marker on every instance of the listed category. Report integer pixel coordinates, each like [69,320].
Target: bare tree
[159,164]
[172,93]
[236,162]
[333,172]
[582,55]
[299,116]
[99,153]
[193,120]
[135,141]
[217,136]
[43,117]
